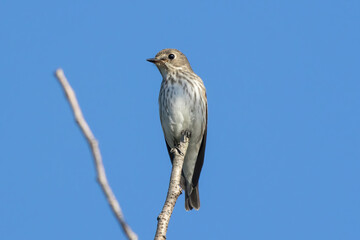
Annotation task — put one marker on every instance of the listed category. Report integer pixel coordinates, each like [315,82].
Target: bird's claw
[186,133]
[177,148]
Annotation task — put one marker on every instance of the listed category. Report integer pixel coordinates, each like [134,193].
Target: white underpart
[183,113]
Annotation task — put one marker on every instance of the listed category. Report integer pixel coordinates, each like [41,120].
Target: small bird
[183,108]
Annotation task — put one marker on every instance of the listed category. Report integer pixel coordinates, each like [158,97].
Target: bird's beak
[153,60]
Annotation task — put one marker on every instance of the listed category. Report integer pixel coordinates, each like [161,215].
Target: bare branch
[101,176]
[174,189]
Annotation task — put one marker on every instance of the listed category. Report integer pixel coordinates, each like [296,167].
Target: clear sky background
[283,84]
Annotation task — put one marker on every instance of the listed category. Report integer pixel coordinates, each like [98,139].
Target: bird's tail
[192,200]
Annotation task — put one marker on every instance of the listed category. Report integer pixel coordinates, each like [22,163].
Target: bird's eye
[171,56]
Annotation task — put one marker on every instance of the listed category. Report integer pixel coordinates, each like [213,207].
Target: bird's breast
[179,110]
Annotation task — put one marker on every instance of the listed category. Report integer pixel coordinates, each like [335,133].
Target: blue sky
[283,84]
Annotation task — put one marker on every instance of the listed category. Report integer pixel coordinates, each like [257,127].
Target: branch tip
[94,146]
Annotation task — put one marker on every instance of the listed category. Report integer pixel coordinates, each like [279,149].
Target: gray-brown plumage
[183,107]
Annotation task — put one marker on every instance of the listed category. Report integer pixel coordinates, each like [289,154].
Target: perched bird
[183,108]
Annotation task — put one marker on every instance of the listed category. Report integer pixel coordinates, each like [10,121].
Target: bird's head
[169,60]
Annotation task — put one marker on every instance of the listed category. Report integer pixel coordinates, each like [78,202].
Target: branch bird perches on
[174,188]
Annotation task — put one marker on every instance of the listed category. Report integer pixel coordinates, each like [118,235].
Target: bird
[183,109]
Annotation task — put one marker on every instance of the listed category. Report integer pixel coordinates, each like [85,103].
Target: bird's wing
[200,157]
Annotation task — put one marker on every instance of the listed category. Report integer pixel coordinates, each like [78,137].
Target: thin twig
[101,176]
[174,189]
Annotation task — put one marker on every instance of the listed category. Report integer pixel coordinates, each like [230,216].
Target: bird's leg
[177,148]
[184,133]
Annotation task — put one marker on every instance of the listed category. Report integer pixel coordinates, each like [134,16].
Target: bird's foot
[177,148]
[186,133]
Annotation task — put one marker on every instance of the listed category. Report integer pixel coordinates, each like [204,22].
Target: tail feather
[192,200]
